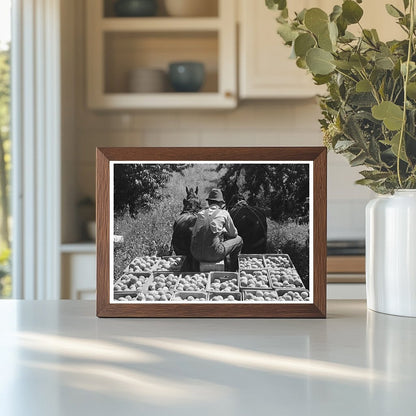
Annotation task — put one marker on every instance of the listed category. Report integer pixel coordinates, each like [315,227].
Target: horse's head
[191,203]
[236,199]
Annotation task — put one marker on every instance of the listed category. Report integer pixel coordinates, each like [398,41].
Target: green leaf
[276,4]
[347,37]
[388,112]
[345,65]
[358,160]
[393,11]
[287,33]
[384,62]
[320,61]
[321,79]
[301,15]
[411,90]
[301,63]
[406,4]
[303,43]
[336,12]
[358,61]
[394,143]
[351,11]
[374,175]
[316,20]
[325,42]
[363,86]
[375,35]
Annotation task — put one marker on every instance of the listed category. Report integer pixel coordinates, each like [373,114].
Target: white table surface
[57,358]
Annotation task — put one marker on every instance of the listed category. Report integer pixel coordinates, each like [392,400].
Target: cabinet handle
[229,94]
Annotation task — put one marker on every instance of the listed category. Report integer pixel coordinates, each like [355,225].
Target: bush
[292,239]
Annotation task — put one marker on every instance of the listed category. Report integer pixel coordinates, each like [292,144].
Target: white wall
[256,123]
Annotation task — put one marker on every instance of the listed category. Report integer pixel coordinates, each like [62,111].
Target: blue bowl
[135,8]
[186,76]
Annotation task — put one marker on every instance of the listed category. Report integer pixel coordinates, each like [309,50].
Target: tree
[137,186]
[5,159]
[280,189]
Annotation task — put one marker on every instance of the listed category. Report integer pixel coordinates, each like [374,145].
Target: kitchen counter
[57,358]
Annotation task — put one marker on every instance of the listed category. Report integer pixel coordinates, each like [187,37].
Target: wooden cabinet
[118,45]
[265,70]
[78,263]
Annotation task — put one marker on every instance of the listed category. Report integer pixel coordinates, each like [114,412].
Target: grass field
[150,232]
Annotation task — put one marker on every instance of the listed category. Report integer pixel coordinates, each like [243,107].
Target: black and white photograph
[211,232]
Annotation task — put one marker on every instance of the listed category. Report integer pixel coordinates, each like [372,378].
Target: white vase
[391,253]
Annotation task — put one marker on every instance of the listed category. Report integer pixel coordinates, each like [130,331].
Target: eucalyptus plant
[369,111]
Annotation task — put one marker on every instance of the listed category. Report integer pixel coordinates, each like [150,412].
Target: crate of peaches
[285,279]
[223,282]
[132,282]
[277,261]
[293,295]
[224,297]
[255,279]
[143,264]
[149,296]
[192,282]
[163,281]
[250,261]
[189,297]
[261,296]
[171,263]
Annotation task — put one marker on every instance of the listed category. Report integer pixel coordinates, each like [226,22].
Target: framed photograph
[211,232]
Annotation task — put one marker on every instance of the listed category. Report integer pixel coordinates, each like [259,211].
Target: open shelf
[126,51]
[160,24]
[210,10]
[119,45]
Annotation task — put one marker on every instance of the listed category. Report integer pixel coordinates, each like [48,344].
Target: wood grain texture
[246,310]
[346,264]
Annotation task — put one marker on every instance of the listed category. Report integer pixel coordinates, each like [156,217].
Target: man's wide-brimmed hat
[216,195]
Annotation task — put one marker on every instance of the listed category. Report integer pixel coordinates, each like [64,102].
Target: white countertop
[57,358]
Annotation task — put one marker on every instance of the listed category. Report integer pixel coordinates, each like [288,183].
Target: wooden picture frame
[316,157]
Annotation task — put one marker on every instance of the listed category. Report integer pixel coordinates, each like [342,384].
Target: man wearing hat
[214,236]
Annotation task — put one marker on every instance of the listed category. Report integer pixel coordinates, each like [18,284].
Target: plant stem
[406,80]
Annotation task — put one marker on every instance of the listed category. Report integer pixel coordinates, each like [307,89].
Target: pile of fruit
[143,264]
[277,262]
[130,281]
[261,296]
[224,298]
[261,278]
[254,279]
[155,295]
[285,278]
[190,297]
[164,281]
[170,264]
[224,284]
[293,296]
[192,282]
[248,262]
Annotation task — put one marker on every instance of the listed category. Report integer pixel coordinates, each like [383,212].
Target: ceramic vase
[391,253]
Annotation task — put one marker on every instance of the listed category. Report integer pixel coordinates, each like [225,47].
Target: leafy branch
[369,112]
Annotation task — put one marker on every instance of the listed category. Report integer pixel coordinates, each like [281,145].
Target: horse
[182,228]
[251,224]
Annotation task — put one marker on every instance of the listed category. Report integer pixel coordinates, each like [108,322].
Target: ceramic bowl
[147,80]
[135,8]
[186,76]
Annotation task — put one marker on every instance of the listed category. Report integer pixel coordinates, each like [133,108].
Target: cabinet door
[265,68]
